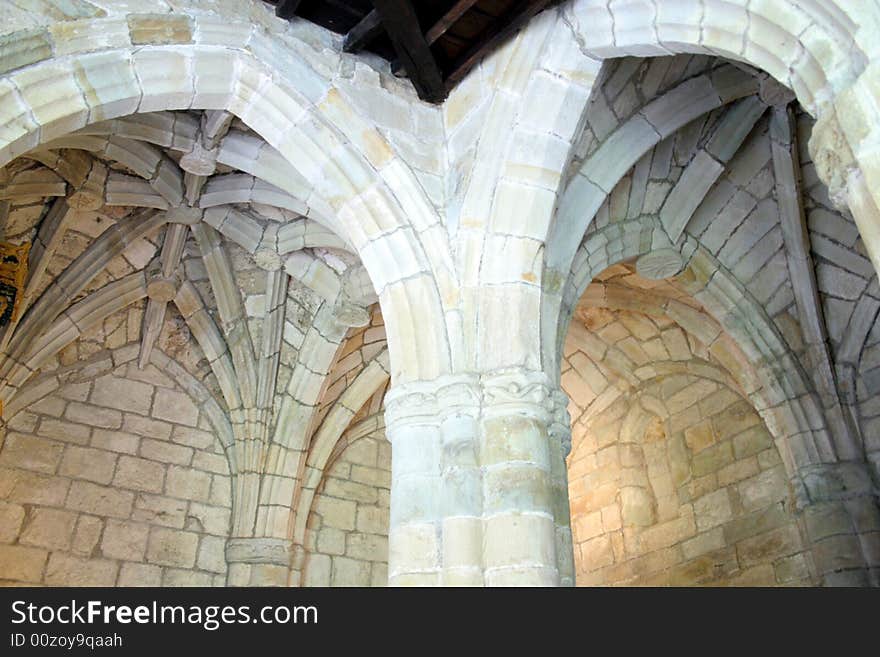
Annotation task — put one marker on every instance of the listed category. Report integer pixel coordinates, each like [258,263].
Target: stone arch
[41,386]
[323,446]
[366,532]
[117,484]
[824,48]
[376,201]
[665,496]
[776,385]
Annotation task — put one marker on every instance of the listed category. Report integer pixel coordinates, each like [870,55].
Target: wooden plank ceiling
[434,43]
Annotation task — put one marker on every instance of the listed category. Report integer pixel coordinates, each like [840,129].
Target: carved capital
[514,391]
[160,287]
[200,161]
[429,402]
[517,391]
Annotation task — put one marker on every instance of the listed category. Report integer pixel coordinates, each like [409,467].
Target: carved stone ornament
[660,264]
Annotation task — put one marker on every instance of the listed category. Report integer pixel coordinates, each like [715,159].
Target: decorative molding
[515,391]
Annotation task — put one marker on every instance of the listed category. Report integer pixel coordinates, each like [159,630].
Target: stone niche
[347,539]
[114,478]
[680,484]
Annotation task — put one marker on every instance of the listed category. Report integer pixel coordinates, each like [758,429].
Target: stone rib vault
[608,315]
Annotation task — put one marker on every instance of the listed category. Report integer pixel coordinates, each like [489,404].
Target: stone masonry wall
[115,478]
[348,537]
[697,497]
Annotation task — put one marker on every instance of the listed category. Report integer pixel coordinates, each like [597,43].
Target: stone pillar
[560,444]
[478,491]
[258,561]
[842,523]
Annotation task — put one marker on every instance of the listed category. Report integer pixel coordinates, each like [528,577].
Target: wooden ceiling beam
[286,8]
[503,27]
[363,33]
[449,18]
[402,25]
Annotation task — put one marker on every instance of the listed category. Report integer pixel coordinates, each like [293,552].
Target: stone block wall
[699,498]
[114,478]
[348,527]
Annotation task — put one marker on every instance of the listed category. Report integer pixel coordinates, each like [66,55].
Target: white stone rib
[802,275]
[231,309]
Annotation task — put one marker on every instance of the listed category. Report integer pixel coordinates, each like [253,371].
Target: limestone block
[159,510]
[166,79]
[139,474]
[124,540]
[160,29]
[763,489]
[18,130]
[30,453]
[31,488]
[99,500]
[168,547]
[138,574]
[712,459]
[779,542]
[115,441]
[699,545]
[146,427]
[22,564]
[713,509]
[350,572]
[209,519]
[596,553]
[71,433]
[517,540]
[24,47]
[122,394]
[11,518]
[87,534]
[94,416]
[367,547]
[165,452]
[215,463]
[700,436]
[636,507]
[49,528]
[55,100]
[89,464]
[331,541]
[211,554]
[108,83]
[188,484]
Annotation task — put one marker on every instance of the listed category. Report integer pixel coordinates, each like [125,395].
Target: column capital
[429,402]
[510,391]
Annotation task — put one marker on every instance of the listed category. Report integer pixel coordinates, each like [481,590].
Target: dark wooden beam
[363,33]
[343,5]
[455,12]
[499,30]
[402,25]
[286,8]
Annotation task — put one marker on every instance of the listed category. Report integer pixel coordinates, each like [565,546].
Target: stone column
[841,521]
[258,561]
[479,493]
